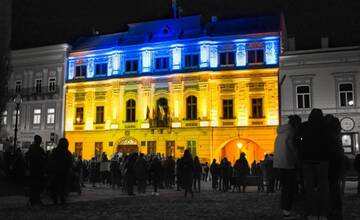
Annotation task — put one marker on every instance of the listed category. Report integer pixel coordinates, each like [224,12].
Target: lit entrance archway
[232,149]
[127,145]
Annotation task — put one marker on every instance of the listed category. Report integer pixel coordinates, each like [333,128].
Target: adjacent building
[326,78]
[38,79]
[168,85]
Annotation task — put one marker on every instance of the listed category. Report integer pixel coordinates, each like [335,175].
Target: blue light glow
[115,63]
[71,69]
[146,61]
[176,58]
[204,56]
[90,68]
[271,52]
[110,66]
[270,38]
[241,54]
[213,57]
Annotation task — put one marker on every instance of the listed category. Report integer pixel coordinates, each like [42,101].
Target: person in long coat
[141,173]
[130,174]
[187,171]
[155,172]
[61,162]
[214,171]
[36,164]
[241,171]
[197,174]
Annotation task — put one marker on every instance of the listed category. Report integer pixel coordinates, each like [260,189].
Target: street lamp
[17,101]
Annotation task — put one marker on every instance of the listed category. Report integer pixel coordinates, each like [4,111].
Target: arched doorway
[232,149]
[127,145]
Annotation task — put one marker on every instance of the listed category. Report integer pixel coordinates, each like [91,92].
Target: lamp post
[17,101]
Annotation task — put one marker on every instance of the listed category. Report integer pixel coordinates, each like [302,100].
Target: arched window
[130,110]
[191,108]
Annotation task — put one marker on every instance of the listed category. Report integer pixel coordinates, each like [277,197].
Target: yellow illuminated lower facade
[214,114]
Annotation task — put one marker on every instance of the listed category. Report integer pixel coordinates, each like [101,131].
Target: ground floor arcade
[207,143]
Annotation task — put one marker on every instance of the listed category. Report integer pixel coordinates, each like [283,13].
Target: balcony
[160,123]
[44,92]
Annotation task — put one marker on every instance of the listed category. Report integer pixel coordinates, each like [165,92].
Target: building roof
[178,29]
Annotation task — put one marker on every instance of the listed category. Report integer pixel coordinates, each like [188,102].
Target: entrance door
[127,149]
[170,148]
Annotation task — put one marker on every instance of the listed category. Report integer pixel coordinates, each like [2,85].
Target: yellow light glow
[239,145]
[176,124]
[89,124]
[176,108]
[145,125]
[204,108]
[114,126]
[214,123]
[204,123]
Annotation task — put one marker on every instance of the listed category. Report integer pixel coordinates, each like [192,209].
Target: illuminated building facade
[168,85]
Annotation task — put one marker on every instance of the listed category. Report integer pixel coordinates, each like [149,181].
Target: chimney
[324,42]
[291,42]
[214,19]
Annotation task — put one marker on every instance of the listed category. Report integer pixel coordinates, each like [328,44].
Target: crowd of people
[308,158]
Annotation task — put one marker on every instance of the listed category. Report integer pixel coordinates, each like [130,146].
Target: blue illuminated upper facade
[177,46]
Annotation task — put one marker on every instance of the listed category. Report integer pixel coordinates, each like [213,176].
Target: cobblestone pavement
[105,203]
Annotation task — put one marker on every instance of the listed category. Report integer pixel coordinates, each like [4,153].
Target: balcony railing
[48,91]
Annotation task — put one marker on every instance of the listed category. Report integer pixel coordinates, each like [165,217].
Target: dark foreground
[171,205]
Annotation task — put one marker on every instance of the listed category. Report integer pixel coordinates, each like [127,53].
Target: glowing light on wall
[176,124]
[204,56]
[176,108]
[146,61]
[213,57]
[110,67]
[241,54]
[71,69]
[90,68]
[89,124]
[204,108]
[145,125]
[271,52]
[176,58]
[214,120]
[114,126]
[69,124]
[204,123]
[116,62]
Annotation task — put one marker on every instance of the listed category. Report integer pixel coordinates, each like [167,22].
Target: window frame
[102,68]
[36,116]
[226,107]
[256,56]
[52,84]
[83,71]
[261,112]
[303,96]
[4,118]
[227,58]
[162,58]
[191,107]
[352,92]
[191,55]
[50,117]
[38,87]
[100,113]
[81,119]
[130,110]
[18,86]
[132,61]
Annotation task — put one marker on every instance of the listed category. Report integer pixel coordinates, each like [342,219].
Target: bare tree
[5,39]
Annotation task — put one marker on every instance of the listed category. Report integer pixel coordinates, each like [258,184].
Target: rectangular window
[98,149]
[4,118]
[227,59]
[37,116]
[101,68]
[257,108]
[170,148]
[79,117]
[255,56]
[78,149]
[50,119]
[52,85]
[191,145]
[18,86]
[151,147]
[192,61]
[80,71]
[14,116]
[131,66]
[38,86]
[346,94]
[162,63]
[303,97]
[100,114]
[228,109]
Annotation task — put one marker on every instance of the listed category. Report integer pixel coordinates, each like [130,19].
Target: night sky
[45,22]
